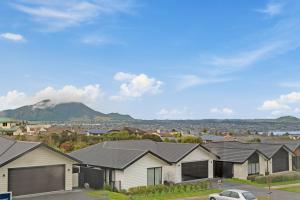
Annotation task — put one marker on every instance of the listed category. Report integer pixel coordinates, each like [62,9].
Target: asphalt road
[262,192]
[76,195]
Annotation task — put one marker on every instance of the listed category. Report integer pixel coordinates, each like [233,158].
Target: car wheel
[212,198]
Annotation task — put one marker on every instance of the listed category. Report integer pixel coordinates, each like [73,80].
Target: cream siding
[41,156]
[240,171]
[263,166]
[290,161]
[136,174]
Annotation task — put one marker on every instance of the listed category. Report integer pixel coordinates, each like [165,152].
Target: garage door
[280,161]
[31,180]
[194,170]
[223,169]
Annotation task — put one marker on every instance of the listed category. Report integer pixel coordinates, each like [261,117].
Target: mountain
[288,119]
[48,110]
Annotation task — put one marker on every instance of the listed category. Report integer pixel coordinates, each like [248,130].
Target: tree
[190,139]
[153,137]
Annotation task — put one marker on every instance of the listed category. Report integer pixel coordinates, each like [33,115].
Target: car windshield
[248,196]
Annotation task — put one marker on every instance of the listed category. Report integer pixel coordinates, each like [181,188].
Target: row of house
[32,167]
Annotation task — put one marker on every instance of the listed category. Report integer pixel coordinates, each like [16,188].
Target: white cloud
[229,64]
[184,113]
[88,94]
[57,15]
[99,40]
[223,111]
[272,9]
[284,104]
[135,86]
[12,37]
[188,81]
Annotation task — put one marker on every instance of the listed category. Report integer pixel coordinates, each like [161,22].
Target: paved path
[286,186]
[75,195]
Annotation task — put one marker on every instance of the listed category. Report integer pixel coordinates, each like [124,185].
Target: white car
[232,195]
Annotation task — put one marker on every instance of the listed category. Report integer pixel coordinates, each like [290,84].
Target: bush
[158,189]
[278,178]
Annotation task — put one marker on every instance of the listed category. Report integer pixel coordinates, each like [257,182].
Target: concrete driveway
[261,192]
[74,195]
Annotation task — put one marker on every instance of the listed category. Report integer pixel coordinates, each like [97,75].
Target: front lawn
[291,189]
[248,182]
[159,196]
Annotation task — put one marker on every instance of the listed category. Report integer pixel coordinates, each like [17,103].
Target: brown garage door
[31,180]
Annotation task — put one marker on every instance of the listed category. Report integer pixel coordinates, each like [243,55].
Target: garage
[280,161]
[194,170]
[33,167]
[40,179]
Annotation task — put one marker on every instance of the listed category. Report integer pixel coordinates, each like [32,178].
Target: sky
[153,59]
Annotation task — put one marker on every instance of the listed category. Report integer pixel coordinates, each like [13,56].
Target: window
[248,196]
[234,195]
[154,176]
[225,194]
[253,168]
[4,124]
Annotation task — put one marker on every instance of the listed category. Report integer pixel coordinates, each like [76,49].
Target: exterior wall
[290,161]
[297,152]
[9,125]
[240,171]
[75,180]
[198,154]
[270,166]
[41,156]
[263,165]
[136,174]
[170,173]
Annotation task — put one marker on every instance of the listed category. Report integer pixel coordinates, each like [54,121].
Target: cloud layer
[88,94]
[222,111]
[283,105]
[57,15]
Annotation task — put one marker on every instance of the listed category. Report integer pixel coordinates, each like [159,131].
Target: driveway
[262,192]
[74,195]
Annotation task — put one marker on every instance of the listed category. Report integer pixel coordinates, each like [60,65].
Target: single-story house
[33,167]
[132,163]
[294,146]
[95,132]
[244,159]
[206,138]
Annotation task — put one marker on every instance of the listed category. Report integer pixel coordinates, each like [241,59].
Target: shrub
[158,189]
[278,178]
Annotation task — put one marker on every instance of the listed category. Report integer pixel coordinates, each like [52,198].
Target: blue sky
[154,59]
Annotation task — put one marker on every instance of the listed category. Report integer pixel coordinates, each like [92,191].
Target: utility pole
[269,179]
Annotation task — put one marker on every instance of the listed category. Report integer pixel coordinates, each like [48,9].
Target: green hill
[49,111]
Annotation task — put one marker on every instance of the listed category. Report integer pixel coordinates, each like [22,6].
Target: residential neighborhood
[149,100]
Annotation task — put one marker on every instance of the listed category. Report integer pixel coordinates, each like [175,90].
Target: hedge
[278,178]
[158,189]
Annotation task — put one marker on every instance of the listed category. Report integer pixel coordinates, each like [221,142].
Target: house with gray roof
[239,160]
[132,163]
[33,167]
[293,146]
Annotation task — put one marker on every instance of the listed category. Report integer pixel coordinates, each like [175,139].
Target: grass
[248,182]
[291,189]
[161,196]
[109,195]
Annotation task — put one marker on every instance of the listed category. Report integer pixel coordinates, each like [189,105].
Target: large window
[253,168]
[154,176]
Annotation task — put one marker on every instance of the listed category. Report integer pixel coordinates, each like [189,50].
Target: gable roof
[12,149]
[292,145]
[119,154]
[268,150]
